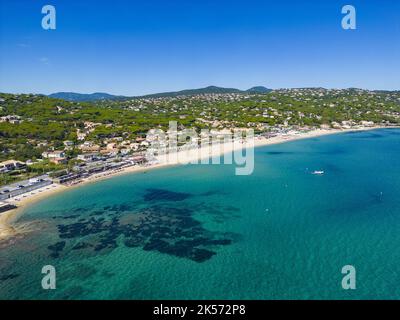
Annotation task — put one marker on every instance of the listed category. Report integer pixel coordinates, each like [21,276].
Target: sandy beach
[7,219]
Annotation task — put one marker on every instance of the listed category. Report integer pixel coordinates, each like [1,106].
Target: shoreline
[7,230]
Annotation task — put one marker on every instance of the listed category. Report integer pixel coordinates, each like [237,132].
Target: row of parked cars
[31,182]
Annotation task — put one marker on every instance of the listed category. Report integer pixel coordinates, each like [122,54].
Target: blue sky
[138,47]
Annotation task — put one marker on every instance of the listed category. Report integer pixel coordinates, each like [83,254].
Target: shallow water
[200,232]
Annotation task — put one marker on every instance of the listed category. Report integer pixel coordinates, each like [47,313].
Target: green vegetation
[31,124]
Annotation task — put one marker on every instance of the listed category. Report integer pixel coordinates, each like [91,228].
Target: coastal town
[48,142]
[199,158]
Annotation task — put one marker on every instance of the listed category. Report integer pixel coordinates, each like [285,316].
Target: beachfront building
[6,206]
[11,165]
[139,159]
[87,157]
[367,123]
[53,154]
[68,178]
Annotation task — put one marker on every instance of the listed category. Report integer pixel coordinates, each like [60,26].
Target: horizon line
[197,88]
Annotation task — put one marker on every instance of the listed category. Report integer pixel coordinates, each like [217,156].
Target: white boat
[318,172]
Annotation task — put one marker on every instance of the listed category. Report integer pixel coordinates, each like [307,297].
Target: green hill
[80,97]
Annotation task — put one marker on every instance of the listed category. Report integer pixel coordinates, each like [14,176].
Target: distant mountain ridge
[82,97]
[259,89]
[191,92]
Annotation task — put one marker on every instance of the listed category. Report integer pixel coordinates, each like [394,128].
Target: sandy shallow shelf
[7,228]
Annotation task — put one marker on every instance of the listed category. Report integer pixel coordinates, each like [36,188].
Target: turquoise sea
[200,232]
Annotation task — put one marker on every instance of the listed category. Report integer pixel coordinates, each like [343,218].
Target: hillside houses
[11,165]
[89,146]
[56,157]
[13,119]
[44,132]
